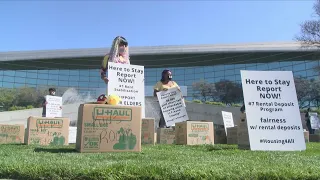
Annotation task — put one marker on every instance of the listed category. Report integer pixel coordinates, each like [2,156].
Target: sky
[46,25]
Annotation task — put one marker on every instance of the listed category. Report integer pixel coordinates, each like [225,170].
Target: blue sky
[37,25]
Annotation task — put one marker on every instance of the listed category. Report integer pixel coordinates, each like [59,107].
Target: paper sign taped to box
[172,106]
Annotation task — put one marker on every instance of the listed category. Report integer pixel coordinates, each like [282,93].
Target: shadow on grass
[55,150]
[221,147]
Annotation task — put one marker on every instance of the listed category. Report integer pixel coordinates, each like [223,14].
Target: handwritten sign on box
[172,106]
[53,108]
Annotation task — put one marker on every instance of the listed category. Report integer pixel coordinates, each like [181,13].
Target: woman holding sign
[163,85]
[119,53]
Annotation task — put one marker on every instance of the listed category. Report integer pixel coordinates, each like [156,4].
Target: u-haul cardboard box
[232,135]
[47,131]
[166,136]
[194,133]
[12,134]
[243,134]
[147,131]
[108,128]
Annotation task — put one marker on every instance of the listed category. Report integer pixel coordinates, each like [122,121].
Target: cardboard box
[108,128]
[47,131]
[220,136]
[243,134]
[232,135]
[147,131]
[314,138]
[306,136]
[12,134]
[166,136]
[194,133]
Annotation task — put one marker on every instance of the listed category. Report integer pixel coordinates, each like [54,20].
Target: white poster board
[273,116]
[227,120]
[53,107]
[172,106]
[127,81]
[314,120]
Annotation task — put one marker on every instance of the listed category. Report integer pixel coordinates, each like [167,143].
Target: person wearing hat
[52,92]
[119,53]
[164,84]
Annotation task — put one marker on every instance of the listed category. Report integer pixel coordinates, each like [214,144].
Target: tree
[303,87]
[310,29]
[229,91]
[202,90]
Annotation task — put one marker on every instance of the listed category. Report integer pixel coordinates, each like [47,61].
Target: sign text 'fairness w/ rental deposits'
[272,111]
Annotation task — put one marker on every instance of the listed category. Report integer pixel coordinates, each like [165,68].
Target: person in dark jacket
[308,122]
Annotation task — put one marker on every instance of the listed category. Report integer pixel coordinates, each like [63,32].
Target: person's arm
[44,102]
[156,89]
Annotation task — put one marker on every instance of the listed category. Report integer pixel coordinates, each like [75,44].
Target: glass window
[84,73]
[64,72]
[229,72]
[199,69]
[32,75]
[286,68]
[299,66]
[238,78]
[1,85]
[55,72]
[251,67]
[42,82]
[18,85]
[231,78]
[7,84]
[1,72]
[93,72]
[20,80]
[53,83]
[208,69]
[31,81]
[189,71]
[262,66]
[84,78]
[74,72]
[95,79]
[311,64]
[42,71]
[8,78]
[189,77]
[273,66]
[21,73]
[73,78]
[53,77]
[218,68]
[43,76]
[176,78]
[63,78]
[83,84]
[73,83]
[64,83]
[229,66]
[312,73]
[94,84]
[219,74]
[209,74]
[199,76]
[9,73]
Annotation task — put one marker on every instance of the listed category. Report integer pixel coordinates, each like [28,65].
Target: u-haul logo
[112,114]
[199,127]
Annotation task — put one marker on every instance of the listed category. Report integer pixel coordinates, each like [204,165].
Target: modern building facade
[79,68]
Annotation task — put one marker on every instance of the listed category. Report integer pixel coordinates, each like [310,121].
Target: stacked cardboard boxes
[220,136]
[243,134]
[148,135]
[166,136]
[47,131]
[232,135]
[194,133]
[11,134]
[107,128]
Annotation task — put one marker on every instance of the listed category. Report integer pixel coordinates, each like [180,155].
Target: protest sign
[314,120]
[127,81]
[172,106]
[227,120]
[272,110]
[53,108]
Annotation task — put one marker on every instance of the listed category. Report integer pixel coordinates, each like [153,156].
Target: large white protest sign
[172,106]
[314,120]
[53,108]
[273,116]
[127,81]
[227,120]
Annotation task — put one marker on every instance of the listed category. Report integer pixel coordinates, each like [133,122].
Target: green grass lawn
[158,162]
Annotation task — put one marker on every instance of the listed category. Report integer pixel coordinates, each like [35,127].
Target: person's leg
[162,122]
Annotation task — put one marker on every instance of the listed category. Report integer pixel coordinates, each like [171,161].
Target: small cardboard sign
[166,136]
[147,131]
[194,133]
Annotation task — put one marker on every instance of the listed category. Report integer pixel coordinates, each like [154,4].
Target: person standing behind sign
[119,53]
[163,85]
[52,92]
[308,122]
